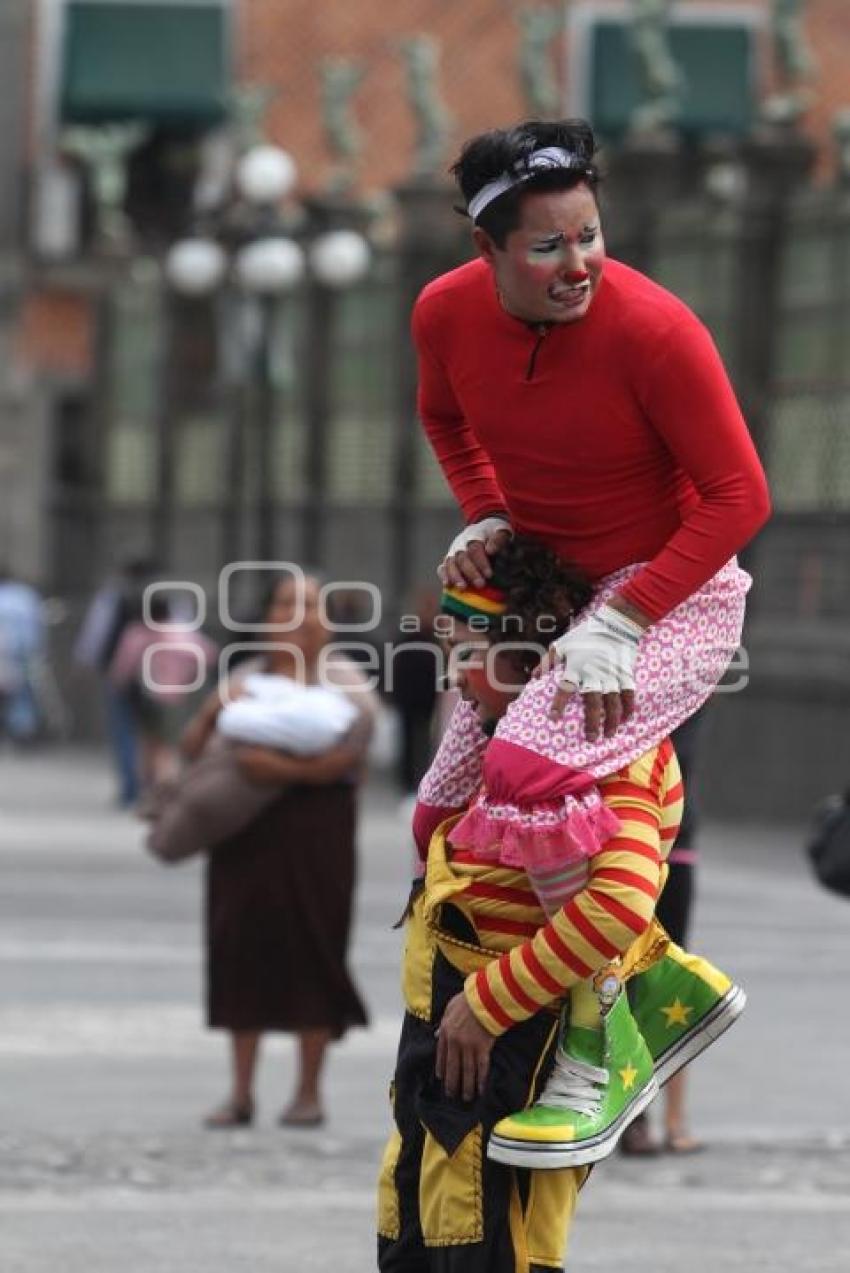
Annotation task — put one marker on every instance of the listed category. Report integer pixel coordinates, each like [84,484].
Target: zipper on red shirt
[541,331]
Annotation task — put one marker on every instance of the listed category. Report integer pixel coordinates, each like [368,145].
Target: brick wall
[281,42]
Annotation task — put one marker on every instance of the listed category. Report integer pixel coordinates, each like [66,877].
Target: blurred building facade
[19,488]
[123,402]
[481,64]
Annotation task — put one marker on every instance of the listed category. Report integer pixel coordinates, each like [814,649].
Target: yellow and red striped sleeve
[601,921]
[672,797]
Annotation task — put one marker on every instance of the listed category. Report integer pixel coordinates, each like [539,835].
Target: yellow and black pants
[443,1206]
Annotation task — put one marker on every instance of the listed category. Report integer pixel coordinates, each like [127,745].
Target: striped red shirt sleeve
[601,921]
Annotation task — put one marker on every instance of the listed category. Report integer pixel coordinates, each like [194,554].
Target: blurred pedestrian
[412,689]
[157,669]
[279,892]
[827,843]
[352,618]
[22,648]
[115,604]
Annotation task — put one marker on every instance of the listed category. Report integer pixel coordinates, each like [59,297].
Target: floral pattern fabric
[681,661]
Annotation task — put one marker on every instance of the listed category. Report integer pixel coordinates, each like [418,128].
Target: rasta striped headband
[489,602]
[547,159]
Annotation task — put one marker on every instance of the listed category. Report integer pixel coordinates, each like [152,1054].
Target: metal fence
[353,483]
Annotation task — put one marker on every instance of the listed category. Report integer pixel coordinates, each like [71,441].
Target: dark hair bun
[538,585]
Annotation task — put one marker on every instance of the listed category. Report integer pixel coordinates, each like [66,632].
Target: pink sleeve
[690,403]
[454,776]
[426,819]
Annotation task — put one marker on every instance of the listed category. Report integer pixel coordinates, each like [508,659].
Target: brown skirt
[278,916]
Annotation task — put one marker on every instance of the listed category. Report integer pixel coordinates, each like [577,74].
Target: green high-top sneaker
[601,1080]
[681,1005]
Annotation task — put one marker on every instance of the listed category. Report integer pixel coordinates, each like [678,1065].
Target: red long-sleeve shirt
[614,440]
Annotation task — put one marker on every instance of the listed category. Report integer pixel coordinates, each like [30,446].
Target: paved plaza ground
[105,1068]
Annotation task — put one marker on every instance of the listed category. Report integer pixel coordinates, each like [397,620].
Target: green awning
[716,58]
[163,62]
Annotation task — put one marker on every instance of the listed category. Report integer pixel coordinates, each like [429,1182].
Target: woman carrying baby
[279,891]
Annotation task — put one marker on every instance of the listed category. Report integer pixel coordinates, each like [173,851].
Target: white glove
[477,532]
[599,654]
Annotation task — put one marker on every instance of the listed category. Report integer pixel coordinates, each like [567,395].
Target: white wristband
[599,654]
[478,532]
[619,624]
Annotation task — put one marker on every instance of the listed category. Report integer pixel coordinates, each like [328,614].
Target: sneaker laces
[574,1085]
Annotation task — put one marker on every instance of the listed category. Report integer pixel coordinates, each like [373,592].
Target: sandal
[682,1143]
[295,1117]
[230,1115]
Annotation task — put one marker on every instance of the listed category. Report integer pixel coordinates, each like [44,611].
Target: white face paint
[556,251]
[551,265]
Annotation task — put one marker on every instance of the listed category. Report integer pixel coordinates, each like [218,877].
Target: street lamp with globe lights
[195,267]
[269,267]
[339,258]
[262,267]
[265,175]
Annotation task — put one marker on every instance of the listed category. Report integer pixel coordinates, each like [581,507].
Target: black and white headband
[547,159]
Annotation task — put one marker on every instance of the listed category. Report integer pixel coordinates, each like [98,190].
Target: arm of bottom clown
[600,922]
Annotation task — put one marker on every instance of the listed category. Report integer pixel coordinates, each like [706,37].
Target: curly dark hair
[489,155]
[544,593]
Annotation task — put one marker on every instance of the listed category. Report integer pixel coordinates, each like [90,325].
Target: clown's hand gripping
[597,658]
[466,561]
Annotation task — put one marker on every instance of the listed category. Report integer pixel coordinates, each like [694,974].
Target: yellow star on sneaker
[628,1075]
[677,1013]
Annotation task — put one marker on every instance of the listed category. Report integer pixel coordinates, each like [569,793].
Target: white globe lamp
[195,267]
[265,175]
[340,258]
[269,267]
